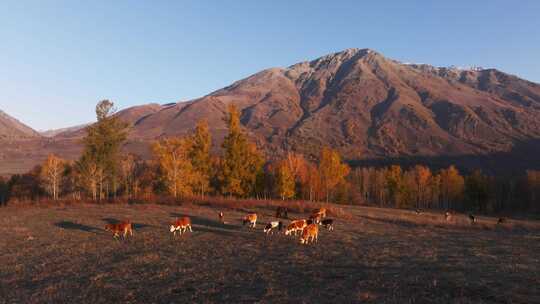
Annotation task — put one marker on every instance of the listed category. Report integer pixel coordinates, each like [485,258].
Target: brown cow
[321,213]
[250,219]
[116,229]
[311,232]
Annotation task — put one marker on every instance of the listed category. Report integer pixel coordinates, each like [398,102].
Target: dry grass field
[62,254]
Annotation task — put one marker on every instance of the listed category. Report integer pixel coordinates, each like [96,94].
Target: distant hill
[367,106]
[11,128]
[62,131]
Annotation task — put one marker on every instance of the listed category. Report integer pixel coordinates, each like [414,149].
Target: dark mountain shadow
[68,225]
[525,155]
[109,220]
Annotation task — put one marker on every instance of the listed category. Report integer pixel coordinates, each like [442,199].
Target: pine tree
[102,145]
[477,190]
[242,162]
[3,191]
[200,156]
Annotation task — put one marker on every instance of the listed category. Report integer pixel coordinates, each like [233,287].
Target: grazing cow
[321,212]
[501,220]
[282,212]
[328,224]
[448,216]
[295,226]
[221,217]
[311,232]
[181,225]
[250,219]
[272,226]
[116,229]
[472,219]
[315,218]
[418,211]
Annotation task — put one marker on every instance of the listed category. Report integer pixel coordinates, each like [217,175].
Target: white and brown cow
[270,227]
[295,226]
[181,225]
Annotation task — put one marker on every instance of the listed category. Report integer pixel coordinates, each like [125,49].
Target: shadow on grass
[398,222]
[201,221]
[76,226]
[109,220]
[201,224]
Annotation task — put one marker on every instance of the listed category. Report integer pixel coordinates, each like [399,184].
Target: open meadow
[62,254]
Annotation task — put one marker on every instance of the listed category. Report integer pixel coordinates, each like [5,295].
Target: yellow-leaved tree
[285,180]
[128,165]
[51,173]
[332,170]
[172,156]
[452,185]
[242,162]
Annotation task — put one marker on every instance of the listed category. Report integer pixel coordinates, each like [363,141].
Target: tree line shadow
[524,155]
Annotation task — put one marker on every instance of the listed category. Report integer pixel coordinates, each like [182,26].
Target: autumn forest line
[185,167]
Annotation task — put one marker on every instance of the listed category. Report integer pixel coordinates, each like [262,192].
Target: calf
[472,219]
[418,211]
[272,226]
[295,226]
[250,219]
[116,229]
[282,212]
[328,224]
[181,225]
[311,232]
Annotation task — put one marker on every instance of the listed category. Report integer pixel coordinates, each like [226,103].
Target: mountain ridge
[361,103]
[11,127]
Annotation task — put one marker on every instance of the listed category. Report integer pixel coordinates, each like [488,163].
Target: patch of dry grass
[62,254]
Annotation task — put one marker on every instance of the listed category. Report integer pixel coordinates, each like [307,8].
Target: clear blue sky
[58,58]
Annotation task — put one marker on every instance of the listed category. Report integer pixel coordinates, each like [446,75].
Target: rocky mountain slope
[364,104]
[11,128]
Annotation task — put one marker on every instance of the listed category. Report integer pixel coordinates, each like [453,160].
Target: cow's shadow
[68,225]
[208,225]
[113,221]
